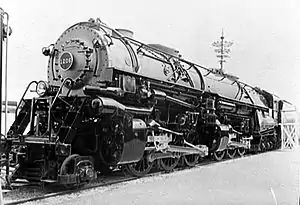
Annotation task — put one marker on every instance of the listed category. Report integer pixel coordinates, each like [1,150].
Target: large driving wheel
[230,153]
[191,160]
[241,151]
[168,164]
[218,155]
[140,168]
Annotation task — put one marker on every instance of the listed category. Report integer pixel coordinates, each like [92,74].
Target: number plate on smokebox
[66,60]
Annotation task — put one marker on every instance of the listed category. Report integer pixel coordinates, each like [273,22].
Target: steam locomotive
[111,101]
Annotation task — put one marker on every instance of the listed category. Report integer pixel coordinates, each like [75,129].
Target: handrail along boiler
[111,101]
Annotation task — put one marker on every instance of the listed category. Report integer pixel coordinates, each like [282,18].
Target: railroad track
[117,177]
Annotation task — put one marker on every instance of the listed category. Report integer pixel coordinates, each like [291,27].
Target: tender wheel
[219,155]
[168,164]
[230,153]
[272,145]
[262,147]
[140,168]
[269,145]
[241,151]
[191,160]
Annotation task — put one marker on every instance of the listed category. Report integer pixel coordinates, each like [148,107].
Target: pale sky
[266,35]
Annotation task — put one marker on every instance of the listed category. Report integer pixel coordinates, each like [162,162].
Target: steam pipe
[160,95]
[111,103]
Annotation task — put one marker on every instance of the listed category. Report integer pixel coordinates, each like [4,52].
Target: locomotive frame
[112,101]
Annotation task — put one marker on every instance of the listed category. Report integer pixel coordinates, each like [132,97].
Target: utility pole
[222,50]
[5,31]
[1,56]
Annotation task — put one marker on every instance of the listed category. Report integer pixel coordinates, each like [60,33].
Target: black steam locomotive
[111,101]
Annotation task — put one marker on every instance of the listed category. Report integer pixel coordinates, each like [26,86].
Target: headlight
[42,88]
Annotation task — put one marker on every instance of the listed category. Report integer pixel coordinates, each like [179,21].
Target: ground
[269,178]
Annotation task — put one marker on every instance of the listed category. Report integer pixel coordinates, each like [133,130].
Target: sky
[266,35]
